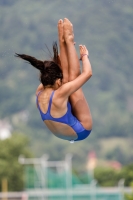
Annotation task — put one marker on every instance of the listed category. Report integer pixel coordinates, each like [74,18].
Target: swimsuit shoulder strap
[50,101]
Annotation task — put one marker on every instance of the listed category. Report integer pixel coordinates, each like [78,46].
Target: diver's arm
[74,85]
[68,88]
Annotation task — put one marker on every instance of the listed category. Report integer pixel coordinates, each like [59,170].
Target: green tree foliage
[111,177]
[128,196]
[128,174]
[106,177]
[106,28]
[10,168]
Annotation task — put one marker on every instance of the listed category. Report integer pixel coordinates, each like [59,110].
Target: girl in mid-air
[60,98]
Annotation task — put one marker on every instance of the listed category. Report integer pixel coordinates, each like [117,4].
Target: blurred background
[105,159]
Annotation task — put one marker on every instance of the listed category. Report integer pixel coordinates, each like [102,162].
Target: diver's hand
[83,51]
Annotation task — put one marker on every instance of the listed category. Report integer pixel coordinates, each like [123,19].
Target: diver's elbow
[89,74]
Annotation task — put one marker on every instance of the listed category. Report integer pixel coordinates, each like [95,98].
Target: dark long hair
[50,70]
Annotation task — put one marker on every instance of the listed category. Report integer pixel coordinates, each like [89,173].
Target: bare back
[57,110]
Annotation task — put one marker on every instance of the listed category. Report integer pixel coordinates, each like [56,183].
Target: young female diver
[60,99]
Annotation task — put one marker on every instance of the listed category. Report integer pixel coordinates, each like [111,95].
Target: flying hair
[40,65]
[32,60]
[50,70]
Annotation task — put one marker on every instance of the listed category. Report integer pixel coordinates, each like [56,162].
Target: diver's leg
[63,53]
[79,104]
[73,62]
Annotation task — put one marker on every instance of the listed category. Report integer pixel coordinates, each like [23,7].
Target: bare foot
[60,31]
[68,31]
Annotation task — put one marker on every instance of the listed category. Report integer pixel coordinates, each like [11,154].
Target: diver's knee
[88,123]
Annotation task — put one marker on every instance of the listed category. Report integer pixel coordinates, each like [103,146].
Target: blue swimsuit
[68,119]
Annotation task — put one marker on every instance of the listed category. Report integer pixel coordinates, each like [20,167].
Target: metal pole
[93,189]
[68,167]
[44,161]
[4,188]
[121,187]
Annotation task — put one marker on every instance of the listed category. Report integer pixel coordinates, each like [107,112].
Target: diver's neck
[49,87]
